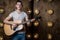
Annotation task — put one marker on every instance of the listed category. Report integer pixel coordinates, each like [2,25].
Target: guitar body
[8,31]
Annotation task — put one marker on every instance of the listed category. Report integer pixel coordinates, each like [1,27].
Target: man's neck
[18,11]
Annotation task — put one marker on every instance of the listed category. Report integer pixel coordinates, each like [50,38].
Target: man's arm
[11,22]
[27,20]
[7,20]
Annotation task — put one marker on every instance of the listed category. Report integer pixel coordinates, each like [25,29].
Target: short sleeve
[11,15]
[25,14]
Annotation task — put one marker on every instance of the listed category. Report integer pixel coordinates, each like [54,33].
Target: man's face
[18,5]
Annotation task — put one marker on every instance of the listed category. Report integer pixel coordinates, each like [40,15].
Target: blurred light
[50,11]
[49,24]
[1,10]
[49,36]
[36,36]
[28,36]
[1,38]
[1,24]
[36,11]
[36,23]
[37,0]
[49,0]
[29,11]
[30,0]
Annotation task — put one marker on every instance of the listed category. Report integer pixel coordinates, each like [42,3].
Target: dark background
[42,29]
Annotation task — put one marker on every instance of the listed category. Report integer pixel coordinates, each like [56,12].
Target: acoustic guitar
[11,29]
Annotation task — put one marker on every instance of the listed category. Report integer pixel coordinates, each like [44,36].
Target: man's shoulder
[13,12]
[23,12]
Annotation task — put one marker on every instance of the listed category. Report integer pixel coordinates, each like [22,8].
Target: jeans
[19,36]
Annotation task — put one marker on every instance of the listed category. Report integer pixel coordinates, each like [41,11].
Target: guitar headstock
[38,17]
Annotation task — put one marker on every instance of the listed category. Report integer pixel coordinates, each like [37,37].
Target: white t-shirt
[18,16]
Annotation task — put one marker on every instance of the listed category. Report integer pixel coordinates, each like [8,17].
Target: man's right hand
[17,22]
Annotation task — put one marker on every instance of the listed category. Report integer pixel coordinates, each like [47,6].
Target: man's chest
[18,17]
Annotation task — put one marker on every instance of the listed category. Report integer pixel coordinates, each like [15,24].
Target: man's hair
[20,2]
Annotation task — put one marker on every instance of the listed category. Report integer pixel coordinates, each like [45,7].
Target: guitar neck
[27,21]
[23,23]
[31,20]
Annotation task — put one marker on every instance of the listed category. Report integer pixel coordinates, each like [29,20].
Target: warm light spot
[36,23]
[50,11]
[36,35]
[1,24]
[28,36]
[1,10]
[29,11]
[37,0]
[49,0]
[49,36]
[49,24]
[36,11]
[1,38]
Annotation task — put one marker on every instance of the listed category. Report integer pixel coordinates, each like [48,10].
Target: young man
[18,17]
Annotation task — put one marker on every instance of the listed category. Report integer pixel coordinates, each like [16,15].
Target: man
[18,17]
